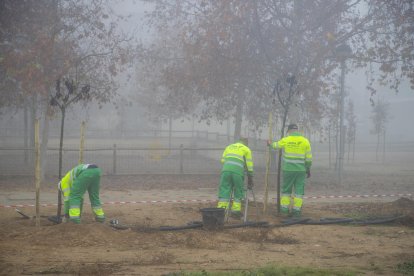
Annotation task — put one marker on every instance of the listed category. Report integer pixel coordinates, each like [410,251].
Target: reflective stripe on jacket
[234,158]
[297,154]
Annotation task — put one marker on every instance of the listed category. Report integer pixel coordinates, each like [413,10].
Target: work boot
[296,213]
[236,214]
[76,221]
[100,219]
[284,212]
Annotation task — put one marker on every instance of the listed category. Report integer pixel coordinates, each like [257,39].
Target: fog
[400,103]
[129,113]
[170,114]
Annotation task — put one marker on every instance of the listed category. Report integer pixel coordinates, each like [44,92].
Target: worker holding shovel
[296,164]
[236,157]
[82,178]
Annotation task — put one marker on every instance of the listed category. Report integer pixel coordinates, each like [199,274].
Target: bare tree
[380,117]
[231,53]
[351,129]
[43,41]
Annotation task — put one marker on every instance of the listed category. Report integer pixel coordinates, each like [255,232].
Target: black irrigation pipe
[247,224]
[329,221]
[293,222]
[377,221]
[289,222]
[175,228]
[121,227]
[192,225]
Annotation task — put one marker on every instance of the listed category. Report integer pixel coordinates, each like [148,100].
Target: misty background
[125,112]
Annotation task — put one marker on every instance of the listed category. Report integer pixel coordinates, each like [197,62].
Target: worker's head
[244,140]
[292,128]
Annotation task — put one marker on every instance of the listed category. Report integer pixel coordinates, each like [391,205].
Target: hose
[174,228]
[378,221]
[306,221]
[191,225]
[120,227]
[294,221]
[329,221]
[247,224]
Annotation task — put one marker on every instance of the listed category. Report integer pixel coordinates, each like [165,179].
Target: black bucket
[213,218]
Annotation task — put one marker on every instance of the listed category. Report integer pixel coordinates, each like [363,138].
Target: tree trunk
[33,112]
[239,117]
[336,148]
[377,148]
[45,136]
[62,124]
[383,147]
[169,132]
[228,130]
[349,151]
[329,145]
[26,133]
[353,147]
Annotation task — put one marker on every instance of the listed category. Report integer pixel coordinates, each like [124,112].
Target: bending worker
[82,178]
[296,164]
[236,159]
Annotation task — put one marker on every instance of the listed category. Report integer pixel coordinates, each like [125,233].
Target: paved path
[202,194]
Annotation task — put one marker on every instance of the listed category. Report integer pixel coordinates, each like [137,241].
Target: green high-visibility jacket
[297,154]
[65,184]
[236,157]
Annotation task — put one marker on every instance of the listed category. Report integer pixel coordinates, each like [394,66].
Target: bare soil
[98,249]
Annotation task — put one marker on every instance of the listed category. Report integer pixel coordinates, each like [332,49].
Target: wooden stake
[37,171]
[268,161]
[82,142]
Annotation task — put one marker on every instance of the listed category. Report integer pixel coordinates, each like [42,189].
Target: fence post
[114,160]
[37,171]
[181,159]
[82,142]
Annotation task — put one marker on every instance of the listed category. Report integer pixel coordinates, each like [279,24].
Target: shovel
[228,209]
[246,206]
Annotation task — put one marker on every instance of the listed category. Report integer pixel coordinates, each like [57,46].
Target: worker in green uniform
[296,164]
[236,159]
[82,178]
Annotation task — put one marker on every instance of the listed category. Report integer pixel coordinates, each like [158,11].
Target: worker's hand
[250,183]
[308,173]
[269,143]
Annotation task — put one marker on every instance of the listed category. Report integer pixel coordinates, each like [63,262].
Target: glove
[269,143]
[308,174]
[250,182]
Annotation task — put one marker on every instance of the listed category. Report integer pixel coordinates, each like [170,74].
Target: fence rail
[122,160]
[134,156]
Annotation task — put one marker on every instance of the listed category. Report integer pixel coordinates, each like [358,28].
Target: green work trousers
[66,206]
[88,180]
[292,181]
[229,181]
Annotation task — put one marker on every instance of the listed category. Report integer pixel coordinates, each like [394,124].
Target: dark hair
[244,140]
[292,126]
